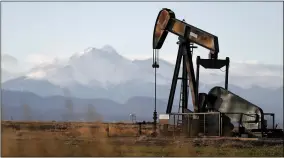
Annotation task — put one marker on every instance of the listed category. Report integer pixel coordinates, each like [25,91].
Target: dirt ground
[93,139]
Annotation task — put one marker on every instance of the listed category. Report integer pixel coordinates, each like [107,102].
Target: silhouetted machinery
[221,100]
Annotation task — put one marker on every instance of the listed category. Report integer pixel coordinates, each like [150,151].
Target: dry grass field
[93,139]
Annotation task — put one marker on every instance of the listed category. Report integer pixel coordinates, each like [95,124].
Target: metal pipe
[155,107]
[273,121]
[227,73]
[192,113]
[197,79]
[155,110]
[184,86]
[155,66]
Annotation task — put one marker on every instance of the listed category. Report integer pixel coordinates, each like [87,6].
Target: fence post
[140,130]
[108,130]
[188,128]
[174,125]
[221,123]
[204,124]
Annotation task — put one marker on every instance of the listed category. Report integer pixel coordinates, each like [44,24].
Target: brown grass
[92,139]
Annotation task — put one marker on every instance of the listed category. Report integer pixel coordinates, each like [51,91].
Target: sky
[38,31]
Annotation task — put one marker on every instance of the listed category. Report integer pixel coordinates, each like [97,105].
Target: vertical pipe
[155,66]
[155,108]
[273,119]
[155,81]
[155,89]
[184,93]
[184,86]
[197,79]
[227,72]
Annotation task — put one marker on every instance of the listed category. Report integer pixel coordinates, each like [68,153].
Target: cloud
[242,73]
[248,62]
[39,59]
[168,57]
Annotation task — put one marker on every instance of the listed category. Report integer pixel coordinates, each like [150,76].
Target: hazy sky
[40,31]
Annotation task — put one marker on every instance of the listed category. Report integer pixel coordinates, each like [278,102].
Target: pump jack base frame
[184,58]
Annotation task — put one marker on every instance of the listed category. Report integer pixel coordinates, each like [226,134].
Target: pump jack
[188,35]
[202,102]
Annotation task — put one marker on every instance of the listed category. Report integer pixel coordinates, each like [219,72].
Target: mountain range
[105,79]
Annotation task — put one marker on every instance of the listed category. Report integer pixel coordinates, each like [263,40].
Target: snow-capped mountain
[100,67]
[103,72]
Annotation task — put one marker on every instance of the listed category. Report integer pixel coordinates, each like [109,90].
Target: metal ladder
[179,119]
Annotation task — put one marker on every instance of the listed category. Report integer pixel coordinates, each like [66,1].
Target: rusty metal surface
[160,33]
[227,102]
[195,35]
[191,81]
